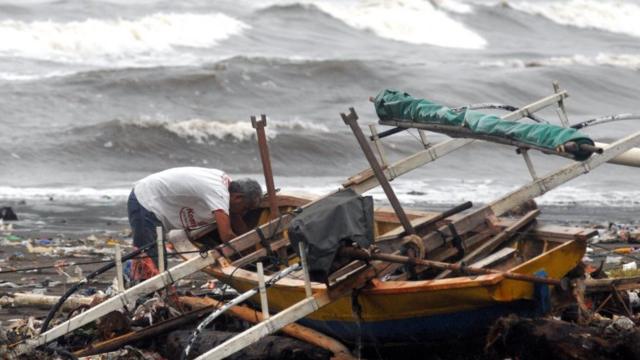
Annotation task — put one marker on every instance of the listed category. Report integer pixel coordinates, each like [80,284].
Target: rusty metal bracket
[259,125]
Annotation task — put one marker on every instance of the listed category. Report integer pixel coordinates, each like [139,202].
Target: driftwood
[151,331]
[533,339]
[270,347]
[43,301]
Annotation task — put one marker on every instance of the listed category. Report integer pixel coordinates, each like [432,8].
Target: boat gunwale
[392,287]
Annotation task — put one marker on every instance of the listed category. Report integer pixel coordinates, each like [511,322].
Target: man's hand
[224,225]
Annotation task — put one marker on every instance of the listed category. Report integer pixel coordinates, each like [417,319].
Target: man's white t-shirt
[184,197]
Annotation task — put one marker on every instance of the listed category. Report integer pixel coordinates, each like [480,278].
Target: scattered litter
[629,266]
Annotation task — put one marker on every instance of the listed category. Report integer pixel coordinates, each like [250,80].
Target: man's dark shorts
[143,225]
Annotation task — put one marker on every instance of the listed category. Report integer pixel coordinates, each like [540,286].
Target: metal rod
[263,291]
[389,132]
[305,269]
[352,121]
[119,273]
[259,125]
[160,242]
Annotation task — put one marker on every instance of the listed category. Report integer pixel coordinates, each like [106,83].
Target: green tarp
[400,106]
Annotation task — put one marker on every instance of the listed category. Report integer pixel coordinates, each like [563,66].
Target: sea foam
[149,40]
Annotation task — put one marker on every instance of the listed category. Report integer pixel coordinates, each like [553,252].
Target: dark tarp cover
[400,106]
[322,226]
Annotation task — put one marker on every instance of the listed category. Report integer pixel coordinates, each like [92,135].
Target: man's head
[244,195]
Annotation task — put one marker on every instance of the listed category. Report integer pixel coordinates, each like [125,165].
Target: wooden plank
[544,231]
[488,246]
[495,257]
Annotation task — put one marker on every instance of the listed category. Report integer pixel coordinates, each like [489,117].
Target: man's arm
[224,225]
[238,225]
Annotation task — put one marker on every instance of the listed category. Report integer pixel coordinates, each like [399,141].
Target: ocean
[97,94]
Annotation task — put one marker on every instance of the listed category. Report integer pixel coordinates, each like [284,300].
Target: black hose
[75,287]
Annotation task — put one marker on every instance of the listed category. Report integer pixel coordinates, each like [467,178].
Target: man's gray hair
[249,188]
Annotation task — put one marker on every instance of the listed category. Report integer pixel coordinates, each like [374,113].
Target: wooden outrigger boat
[415,311]
[505,263]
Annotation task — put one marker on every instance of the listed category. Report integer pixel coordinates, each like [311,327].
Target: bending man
[187,198]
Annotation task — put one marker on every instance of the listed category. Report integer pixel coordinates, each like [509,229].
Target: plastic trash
[613,259]
[13,238]
[623,250]
[630,266]
[43,242]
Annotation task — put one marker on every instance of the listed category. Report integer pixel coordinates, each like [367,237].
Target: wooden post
[160,242]
[305,269]
[119,274]
[263,291]
[562,113]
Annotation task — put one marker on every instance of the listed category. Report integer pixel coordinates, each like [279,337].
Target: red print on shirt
[187,218]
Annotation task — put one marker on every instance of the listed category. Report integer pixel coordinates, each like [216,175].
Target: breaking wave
[628,61]
[609,15]
[142,41]
[410,21]
[205,131]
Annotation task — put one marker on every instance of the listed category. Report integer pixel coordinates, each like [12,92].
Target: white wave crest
[17,77]
[627,61]
[98,41]
[203,131]
[63,193]
[209,131]
[609,15]
[411,21]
